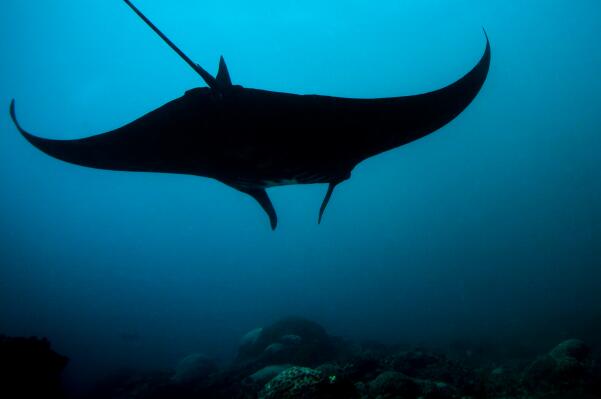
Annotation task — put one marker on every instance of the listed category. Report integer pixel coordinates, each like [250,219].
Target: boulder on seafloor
[436,390]
[306,383]
[571,352]
[362,366]
[193,368]
[247,345]
[292,340]
[565,367]
[501,382]
[392,384]
[267,373]
[274,349]
[131,384]
[426,365]
[29,368]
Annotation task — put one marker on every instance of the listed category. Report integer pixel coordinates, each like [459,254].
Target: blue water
[489,229]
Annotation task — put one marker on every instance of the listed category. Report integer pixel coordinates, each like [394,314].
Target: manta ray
[252,139]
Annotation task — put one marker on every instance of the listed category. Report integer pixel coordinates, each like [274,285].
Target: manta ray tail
[207,77]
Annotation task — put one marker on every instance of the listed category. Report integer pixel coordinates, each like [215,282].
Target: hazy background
[487,231]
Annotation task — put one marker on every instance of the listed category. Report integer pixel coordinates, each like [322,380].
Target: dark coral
[29,368]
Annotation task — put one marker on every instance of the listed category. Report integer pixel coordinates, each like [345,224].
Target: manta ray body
[254,139]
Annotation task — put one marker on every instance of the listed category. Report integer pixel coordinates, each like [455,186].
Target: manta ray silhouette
[253,139]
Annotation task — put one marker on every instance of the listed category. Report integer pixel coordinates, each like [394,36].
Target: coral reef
[267,373]
[297,358]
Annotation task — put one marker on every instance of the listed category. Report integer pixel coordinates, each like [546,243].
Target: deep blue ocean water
[487,230]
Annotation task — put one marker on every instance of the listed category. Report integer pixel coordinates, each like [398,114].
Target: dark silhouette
[253,139]
[29,368]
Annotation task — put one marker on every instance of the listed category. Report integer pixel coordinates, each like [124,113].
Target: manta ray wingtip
[12,108]
[13,115]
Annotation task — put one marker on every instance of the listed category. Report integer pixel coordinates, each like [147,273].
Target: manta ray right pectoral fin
[260,195]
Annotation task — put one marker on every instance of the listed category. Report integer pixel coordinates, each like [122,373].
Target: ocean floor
[297,358]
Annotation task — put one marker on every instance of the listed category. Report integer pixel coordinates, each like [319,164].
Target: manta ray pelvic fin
[326,199]
[260,195]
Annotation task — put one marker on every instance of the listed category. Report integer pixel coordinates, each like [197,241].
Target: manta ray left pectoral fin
[260,195]
[326,199]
